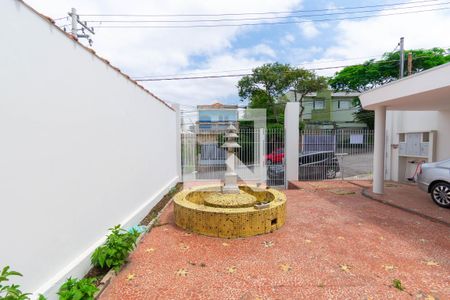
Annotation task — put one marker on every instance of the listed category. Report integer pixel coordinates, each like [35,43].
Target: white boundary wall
[82,149]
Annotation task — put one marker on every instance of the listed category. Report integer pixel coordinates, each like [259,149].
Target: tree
[374,73]
[305,82]
[265,86]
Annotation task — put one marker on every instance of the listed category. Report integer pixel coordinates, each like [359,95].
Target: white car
[434,178]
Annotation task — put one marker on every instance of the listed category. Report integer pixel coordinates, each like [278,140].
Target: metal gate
[261,153]
[336,154]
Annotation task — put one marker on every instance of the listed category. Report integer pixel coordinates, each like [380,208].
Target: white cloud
[298,56]
[206,91]
[378,35]
[309,30]
[372,37]
[258,50]
[172,51]
[287,39]
[331,6]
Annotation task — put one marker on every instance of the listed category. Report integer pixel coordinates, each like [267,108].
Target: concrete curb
[366,194]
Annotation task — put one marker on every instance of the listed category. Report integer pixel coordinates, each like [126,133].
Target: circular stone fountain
[231,210]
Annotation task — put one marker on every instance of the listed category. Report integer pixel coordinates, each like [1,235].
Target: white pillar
[291,142]
[379,150]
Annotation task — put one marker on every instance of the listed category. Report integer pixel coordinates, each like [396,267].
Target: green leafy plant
[114,252]
[10,292]
[78,289]
[398,284]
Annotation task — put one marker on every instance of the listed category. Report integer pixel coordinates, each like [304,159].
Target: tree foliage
[374,73]
[267,85]
[305,82]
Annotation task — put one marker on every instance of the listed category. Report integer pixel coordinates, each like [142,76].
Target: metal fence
[336,154]
[203,158]
[323,155]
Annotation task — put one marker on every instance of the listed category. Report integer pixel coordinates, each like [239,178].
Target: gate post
[291,141]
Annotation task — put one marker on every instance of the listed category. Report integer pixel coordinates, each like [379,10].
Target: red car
[275,157]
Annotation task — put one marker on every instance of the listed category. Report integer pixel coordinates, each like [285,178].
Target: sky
[172,52]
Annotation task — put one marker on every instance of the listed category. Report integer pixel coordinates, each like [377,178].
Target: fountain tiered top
[230,181]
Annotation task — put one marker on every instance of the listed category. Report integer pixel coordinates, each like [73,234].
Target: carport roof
[427,90]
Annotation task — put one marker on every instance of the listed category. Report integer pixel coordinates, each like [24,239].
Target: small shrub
[114,252]
[398,284]
[77,289]
[10,292]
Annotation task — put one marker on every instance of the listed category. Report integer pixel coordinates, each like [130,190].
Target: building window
[319,104]
[344,104]
[425,137]
[401,137]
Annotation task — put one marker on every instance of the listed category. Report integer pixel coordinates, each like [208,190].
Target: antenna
[75,21]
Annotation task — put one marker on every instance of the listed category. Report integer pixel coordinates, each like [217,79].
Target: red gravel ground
[336,244]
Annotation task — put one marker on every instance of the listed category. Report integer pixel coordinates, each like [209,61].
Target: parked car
[313,165]
[275,157]
[434,178]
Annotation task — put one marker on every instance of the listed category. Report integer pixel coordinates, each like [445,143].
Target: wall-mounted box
[417,144]
[414,148]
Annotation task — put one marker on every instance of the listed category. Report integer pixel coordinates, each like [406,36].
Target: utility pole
[402,57]
[75,21]
[409,63]
[74,17]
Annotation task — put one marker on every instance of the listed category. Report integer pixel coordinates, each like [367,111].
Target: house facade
[328,110]
[216,117]
[212,122]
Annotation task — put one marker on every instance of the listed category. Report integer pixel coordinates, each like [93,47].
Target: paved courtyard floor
[336,244]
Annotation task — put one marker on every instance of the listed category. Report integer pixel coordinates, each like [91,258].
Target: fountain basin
[253,211]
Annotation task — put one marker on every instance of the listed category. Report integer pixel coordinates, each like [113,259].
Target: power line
[272,23]
[254,13]
[265,18]
[249,69]
[226,76]
[146,78]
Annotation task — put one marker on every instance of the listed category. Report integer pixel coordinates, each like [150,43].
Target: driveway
[336,244]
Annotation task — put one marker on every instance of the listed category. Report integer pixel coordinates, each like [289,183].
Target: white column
[379,150]
[291,142]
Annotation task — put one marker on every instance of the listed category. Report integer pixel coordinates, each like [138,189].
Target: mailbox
[414,148]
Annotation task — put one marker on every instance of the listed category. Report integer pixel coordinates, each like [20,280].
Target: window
[401,137]
[344,104]
[425,137]
[319,104]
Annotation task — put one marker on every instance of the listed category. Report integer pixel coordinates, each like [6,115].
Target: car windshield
[306,158]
